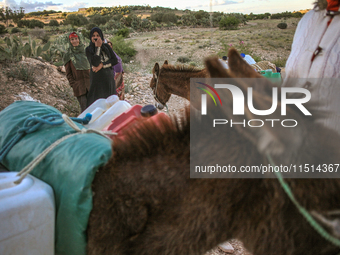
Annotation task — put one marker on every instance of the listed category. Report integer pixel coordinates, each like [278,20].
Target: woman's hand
[97,68]
[98,42]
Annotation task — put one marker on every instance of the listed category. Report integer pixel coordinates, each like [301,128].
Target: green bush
[2,29]
[125,50]
[183,59]
[98,19]
[53,23]
[23,23]
[76,20]
[124,32]
[90,26]
[169,18]
[282,25]
[35,23]
[15,30]
[229,23]
[85,33]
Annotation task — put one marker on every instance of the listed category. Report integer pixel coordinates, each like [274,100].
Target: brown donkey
[146,204]
[175,80]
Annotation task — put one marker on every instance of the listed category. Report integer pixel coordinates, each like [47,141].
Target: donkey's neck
[178,83]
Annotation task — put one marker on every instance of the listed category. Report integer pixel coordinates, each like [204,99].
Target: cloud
[74,7]
[29,6]
[217,3]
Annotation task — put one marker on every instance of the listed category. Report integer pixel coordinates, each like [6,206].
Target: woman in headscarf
[101,59]
[77,69]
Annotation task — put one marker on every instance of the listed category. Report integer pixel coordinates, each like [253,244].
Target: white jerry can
[27,216]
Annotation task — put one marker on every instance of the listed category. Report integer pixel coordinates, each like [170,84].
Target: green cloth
[77,56]
[69,168]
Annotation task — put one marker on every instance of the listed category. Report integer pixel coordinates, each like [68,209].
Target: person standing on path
[77,69]
[101,59]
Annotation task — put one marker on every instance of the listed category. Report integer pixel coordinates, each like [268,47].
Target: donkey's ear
[166,62]
[155,70]
[215,68]
[239,67]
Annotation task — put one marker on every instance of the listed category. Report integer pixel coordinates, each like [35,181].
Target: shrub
[11,25]
[98,19]
[282,25]
[76,20]
[53,23]
[15,30]
[90,26]
[35,23]
[169,18]
[124,32]
[183,59]
[125,50]
[157,17]
[229,23]
[85,33]
[22,72]
[23,23]
[2,29]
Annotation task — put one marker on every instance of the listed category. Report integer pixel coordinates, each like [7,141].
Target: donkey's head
[282,142]
[160,94]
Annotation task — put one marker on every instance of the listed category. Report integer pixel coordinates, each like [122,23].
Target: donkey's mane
[149,139]
[181,68]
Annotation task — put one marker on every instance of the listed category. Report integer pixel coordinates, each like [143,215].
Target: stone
[226,247]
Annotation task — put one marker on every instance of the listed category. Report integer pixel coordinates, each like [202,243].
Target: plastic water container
[131,118]
[106,118]
[273,77]
[125,119]
[27,215]
[99,107]
[249,60]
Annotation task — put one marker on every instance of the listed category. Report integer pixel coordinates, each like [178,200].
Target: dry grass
[261,38]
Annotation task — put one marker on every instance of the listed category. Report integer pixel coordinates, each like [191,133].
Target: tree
[18,15]
[6,15]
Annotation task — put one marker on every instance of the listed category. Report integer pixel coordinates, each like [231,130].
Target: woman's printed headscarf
[76,54]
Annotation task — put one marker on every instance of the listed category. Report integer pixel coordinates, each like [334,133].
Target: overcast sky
[242,6]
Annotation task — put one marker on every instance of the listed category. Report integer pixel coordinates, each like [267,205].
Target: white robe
[312,31]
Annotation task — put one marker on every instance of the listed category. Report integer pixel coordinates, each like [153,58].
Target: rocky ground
[48,84]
